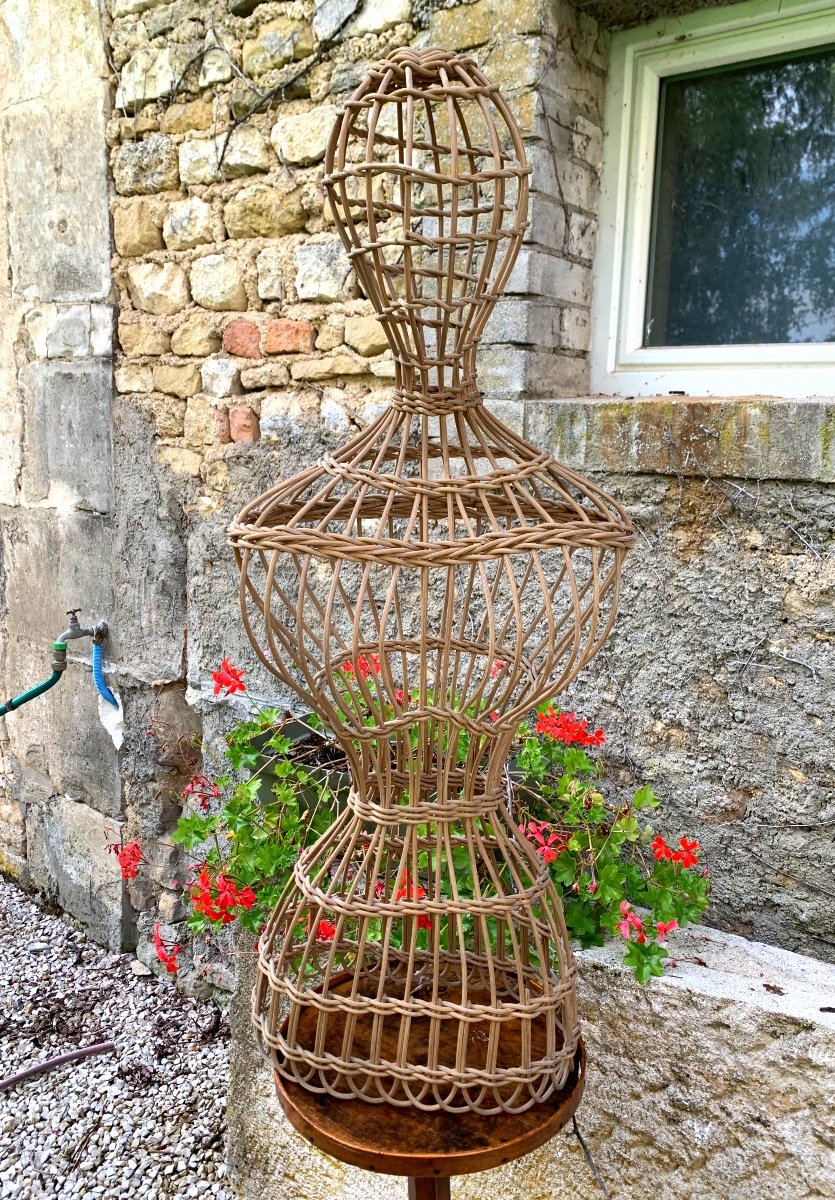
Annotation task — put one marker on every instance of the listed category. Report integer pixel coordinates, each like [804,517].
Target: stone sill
[726,966]
[757,437]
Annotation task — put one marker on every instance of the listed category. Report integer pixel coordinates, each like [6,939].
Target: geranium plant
[244,828]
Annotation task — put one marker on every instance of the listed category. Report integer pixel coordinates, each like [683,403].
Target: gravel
[146,1121]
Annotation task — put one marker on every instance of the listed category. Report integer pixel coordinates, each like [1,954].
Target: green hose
[39,688]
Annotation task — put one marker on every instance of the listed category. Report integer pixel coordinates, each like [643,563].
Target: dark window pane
[743,227]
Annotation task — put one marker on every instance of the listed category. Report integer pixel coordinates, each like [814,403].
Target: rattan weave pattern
[421,589]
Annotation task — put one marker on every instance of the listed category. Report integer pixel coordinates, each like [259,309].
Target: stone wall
[56,473]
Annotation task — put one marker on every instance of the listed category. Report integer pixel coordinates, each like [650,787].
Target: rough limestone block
[713,1081]
[302,139]
[216,66]
[278,43]
[220,377]
[161,20]
[322,271]
[58,249]
[158,288]
[124,8]
[140,338]
[200,426]
[187,223]
[331,16]
[271,265]
[69,861]
[136,228]
[69,330]
[133,378]
[67,451]
[269,375]
[148,75]
[376,16]
[181,380]
[199,334]
[326,368]
[246,154]
[262,211]
[216,283]
[366,335]
[474,24]
[191,114]
[148,166]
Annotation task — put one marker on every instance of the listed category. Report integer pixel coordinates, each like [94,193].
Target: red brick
[243,424]
[288,337]
[241,337]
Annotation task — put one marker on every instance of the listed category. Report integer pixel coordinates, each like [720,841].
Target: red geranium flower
[665,927]
[367,665]
[688,855]
[548,848]
[410,891]
[325,931]
[217,899]
[128,857]
[202,790]
[630,921]
[167,957]
[497,668]
[228,679]
[567,728]
[660,849]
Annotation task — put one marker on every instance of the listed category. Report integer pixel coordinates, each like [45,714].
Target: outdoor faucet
[74,630]
[72,633]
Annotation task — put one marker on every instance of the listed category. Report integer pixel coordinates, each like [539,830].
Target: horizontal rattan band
[322,543]
[433,406]
[446,810]
[489,481]
[469,1014]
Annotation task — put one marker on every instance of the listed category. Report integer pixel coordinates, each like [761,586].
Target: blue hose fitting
[98,675]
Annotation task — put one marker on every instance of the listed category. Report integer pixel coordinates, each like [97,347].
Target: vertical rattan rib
[421,590]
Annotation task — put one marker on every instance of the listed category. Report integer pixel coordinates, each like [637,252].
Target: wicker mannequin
[421,590]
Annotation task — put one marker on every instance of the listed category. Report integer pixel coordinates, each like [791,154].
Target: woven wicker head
[427,181]
[421,590]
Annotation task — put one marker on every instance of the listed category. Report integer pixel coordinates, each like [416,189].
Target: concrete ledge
[760,437]
[717,1080]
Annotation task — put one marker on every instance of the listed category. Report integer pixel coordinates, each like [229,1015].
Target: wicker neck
[434,403]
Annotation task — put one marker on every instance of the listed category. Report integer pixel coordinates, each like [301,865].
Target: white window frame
[640,59]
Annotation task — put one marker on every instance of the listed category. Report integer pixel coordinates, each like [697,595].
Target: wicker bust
[421,590]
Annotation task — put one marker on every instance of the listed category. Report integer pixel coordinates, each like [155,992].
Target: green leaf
[645,798]
[646,960]
[193,829]
[609,884]
[564,870]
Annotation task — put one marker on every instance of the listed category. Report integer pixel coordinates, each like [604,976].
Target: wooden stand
[427,1147]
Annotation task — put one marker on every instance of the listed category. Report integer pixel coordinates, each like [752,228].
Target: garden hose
[98,675]
[59,666]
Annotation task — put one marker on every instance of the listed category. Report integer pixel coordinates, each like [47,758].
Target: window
[716,269]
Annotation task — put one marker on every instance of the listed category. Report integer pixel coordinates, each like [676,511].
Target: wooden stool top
[406,1141]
